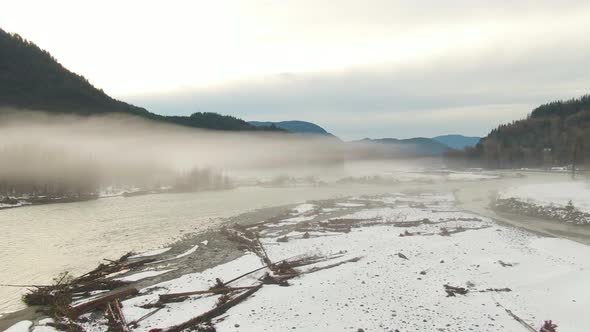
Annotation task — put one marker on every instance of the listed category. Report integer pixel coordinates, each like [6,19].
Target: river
[41,241]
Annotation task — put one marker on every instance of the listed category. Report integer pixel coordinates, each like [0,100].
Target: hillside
[393,148]
[554,134]
[30,78]
[302,127]
[458,142]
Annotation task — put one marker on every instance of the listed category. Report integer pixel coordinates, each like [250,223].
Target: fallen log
[452,290]
[496,290]
[105,269]
[518,319]
[164,297]
[115,317]
[135,323]
[315,269]
[119,312]
[217,311]
[269,279]
[256,270]
[87,306]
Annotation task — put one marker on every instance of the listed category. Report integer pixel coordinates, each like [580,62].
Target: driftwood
[447,232]
[217,311]
[518,319]
[504,264]
[115,316]
[414,223]
[281,280]
[165,297]
[86,306]
[135,323]
[24,286]
[315,269]
[496,290]
[255,270]
[104,270]
[452,291]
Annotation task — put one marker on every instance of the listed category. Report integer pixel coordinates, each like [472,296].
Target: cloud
[318,61]
[451,94]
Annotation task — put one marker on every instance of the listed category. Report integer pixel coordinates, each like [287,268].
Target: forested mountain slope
[554,134]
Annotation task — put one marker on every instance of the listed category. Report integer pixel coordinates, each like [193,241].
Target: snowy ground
[442,176]
[397,257]
[556,194]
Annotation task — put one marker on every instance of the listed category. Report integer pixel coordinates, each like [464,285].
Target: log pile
[57,299]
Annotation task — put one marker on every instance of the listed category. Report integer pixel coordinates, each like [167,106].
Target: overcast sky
[380,68]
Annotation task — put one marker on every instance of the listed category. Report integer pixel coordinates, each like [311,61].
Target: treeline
[32,79]
[554,134]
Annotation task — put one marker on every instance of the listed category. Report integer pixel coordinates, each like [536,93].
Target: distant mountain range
[392,147]
[457,142]
[31,79]
[419,146]
[295,126]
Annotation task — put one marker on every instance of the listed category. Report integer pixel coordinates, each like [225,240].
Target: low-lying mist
[49,154]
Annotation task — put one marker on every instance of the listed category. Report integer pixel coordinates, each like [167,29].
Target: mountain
[458,142]
[393,147]
[554,134]
[30,78]
[301,127]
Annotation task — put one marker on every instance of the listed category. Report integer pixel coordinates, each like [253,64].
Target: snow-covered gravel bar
[397,255]
[553,194]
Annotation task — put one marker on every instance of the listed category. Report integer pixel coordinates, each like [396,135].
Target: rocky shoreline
[567,214]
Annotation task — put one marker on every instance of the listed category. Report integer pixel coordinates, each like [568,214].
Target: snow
[184,254]
[466,176]
[22,326]
[416,177]
[45,321]
[384,292]
[19,203]
[206,242]
[188,252]
[347,204]
[556,194]
[303,208]
[298,219]
[143,275]
[151,253]
[474,175]
[44,328]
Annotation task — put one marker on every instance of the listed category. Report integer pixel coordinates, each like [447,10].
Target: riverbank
[406,261]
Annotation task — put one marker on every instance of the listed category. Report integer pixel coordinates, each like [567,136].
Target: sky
[365,68]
